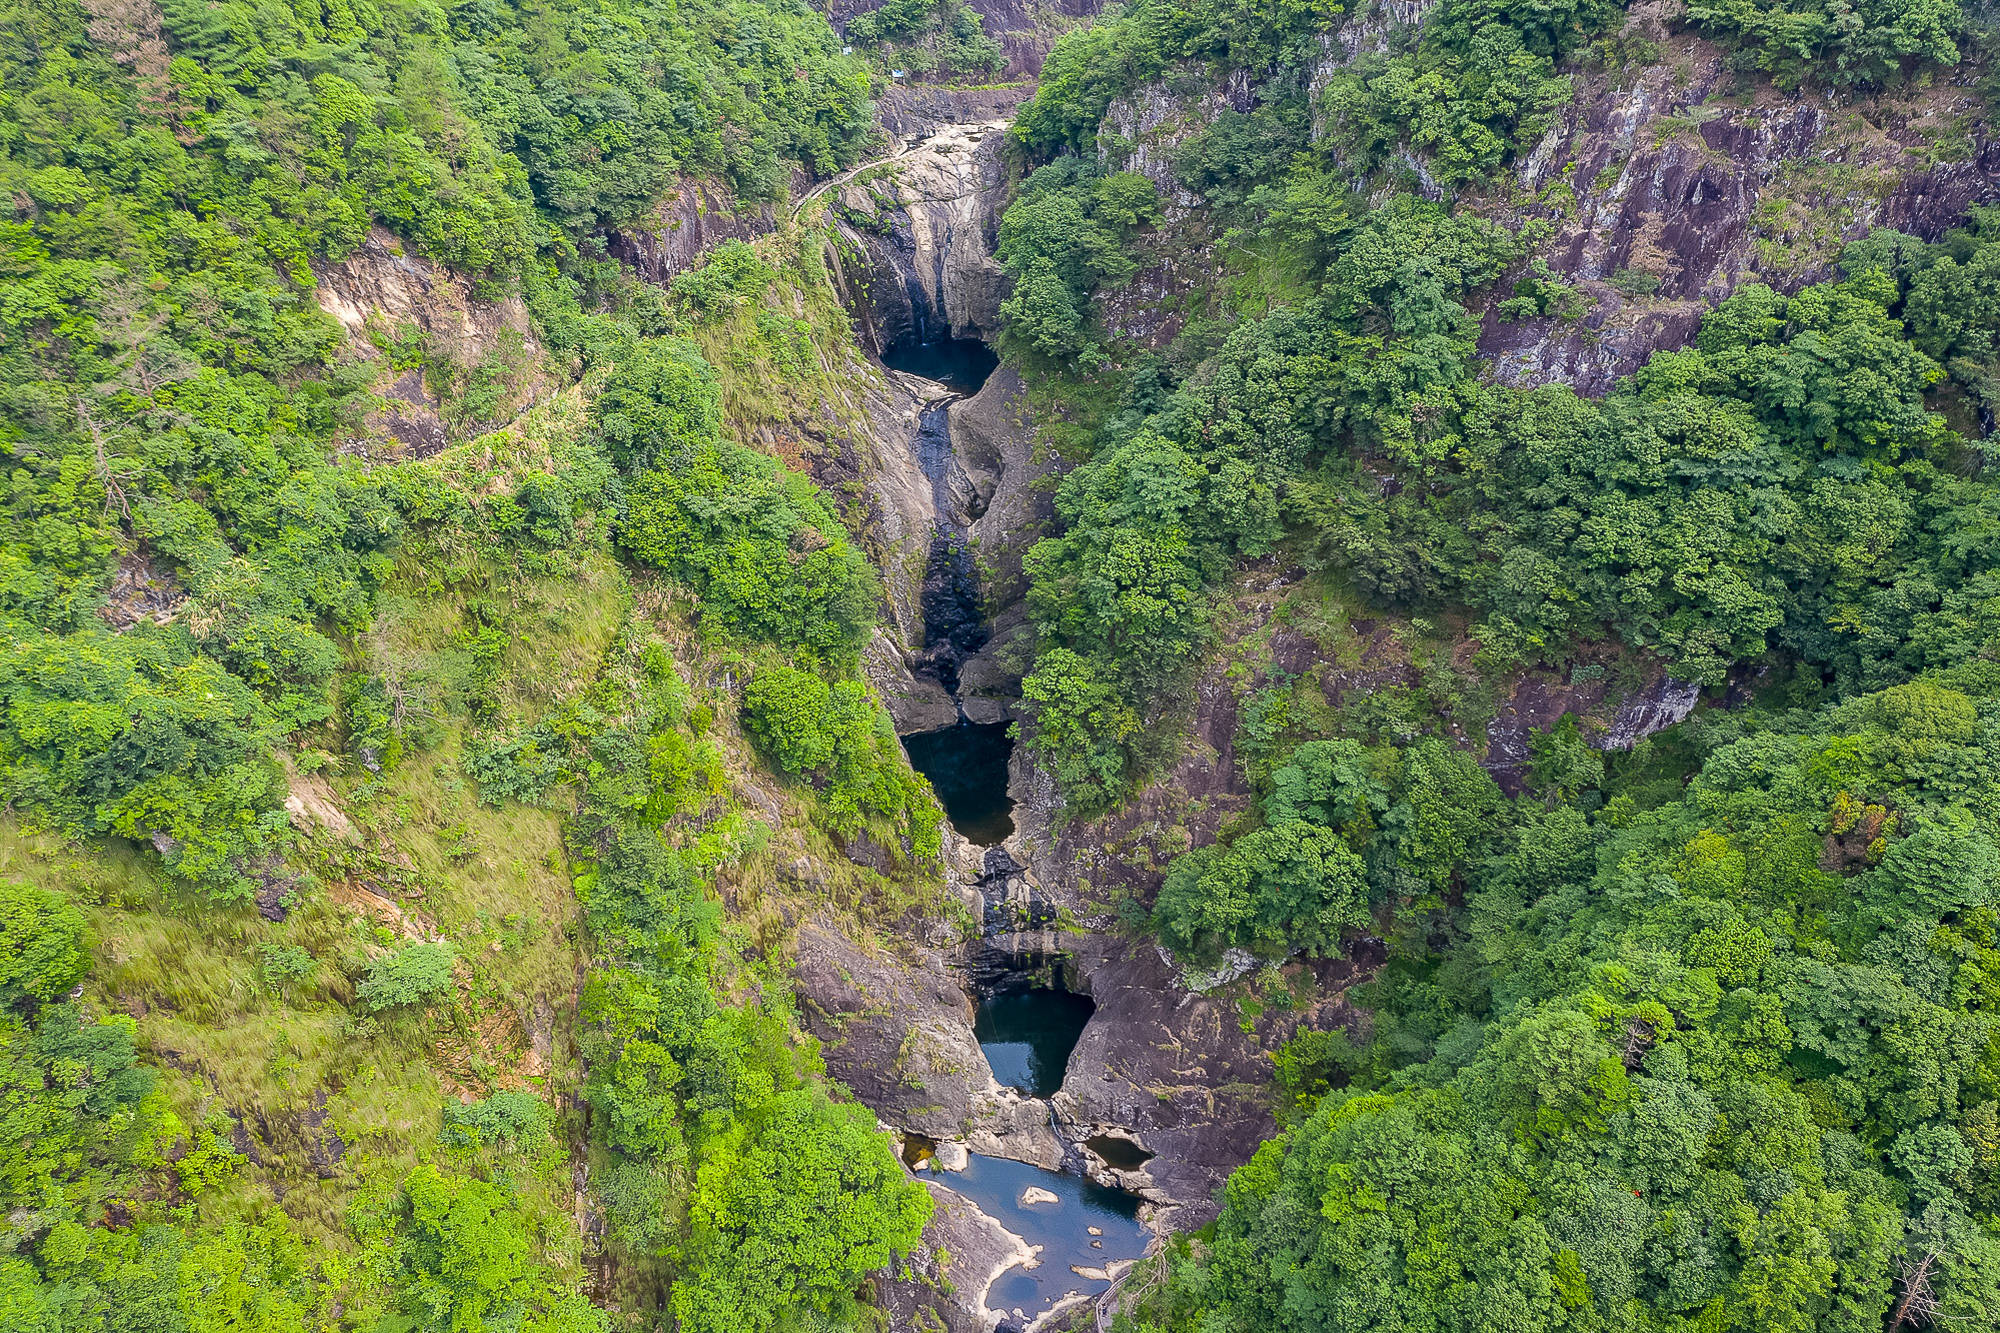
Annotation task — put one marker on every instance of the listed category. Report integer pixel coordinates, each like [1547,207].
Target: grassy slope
[330,1109]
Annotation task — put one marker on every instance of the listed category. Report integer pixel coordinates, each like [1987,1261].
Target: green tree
[44,949]
[661,402]
[758,545]
[793,1215]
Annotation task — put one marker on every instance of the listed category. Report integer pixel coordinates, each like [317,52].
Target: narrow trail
[835,182]
[904,149]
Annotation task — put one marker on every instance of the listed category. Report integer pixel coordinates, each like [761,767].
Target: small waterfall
[954,622]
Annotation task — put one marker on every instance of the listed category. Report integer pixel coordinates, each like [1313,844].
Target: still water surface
[1061,1228]
[1028,1034]
[967,764]
[960,364]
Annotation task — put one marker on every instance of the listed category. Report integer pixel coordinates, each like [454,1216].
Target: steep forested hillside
[1483,528]
[1689,1036]
[365,968]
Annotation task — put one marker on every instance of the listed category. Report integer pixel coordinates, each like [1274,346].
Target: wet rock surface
[917,111]
[897,1030]
[923,274]
[923,226]
[961,1252]
[993,437]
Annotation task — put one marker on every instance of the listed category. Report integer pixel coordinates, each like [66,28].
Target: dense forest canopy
[1700,1036]
[1694,1038]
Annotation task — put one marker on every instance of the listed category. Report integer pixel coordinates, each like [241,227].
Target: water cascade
[966,763]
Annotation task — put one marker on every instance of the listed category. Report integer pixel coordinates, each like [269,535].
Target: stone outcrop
[923,227]
[1686,185]
[961,1252]
[917,111]
[993,438]
[1025,29]
[921,230]
[383,293]
[897,1030]
[689,222]
[1175,1072]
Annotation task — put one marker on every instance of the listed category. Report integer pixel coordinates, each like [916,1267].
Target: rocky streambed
[1058,1086]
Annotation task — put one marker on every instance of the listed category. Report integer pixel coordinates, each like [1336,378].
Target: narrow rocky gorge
[1165,1090]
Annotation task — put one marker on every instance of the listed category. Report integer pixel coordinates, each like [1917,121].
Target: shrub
[414,974]
[43,951]
[807,726]
[787,710]
[503,1117]
[284,963]
[661,402]
[758,545]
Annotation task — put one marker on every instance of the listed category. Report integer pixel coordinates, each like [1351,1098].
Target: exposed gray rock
[689,222]
[917,111]
[1025,29]
[993,436]
[915,703]
[1665,176]
[923,224]
[1664,703]
[897,1030]
[383,290]
[962,1250]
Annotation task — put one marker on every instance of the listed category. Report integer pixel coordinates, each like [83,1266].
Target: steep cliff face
[1672,184]
[898,1031]
[690,221]
[424,331]
[1668,185]
[918,231]
[1025,29]
[921,227]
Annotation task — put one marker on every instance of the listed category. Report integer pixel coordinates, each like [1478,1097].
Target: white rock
[1094,1274]
[951,1156]
[1036,1194]
[1095,1231]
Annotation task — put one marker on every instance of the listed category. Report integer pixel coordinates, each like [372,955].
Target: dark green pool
[960,364]
[967,765]
[1028,1034]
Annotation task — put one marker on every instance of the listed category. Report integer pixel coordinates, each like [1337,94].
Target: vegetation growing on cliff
[932,40]
[1788,485]
[1693,1038]
[316,1074]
